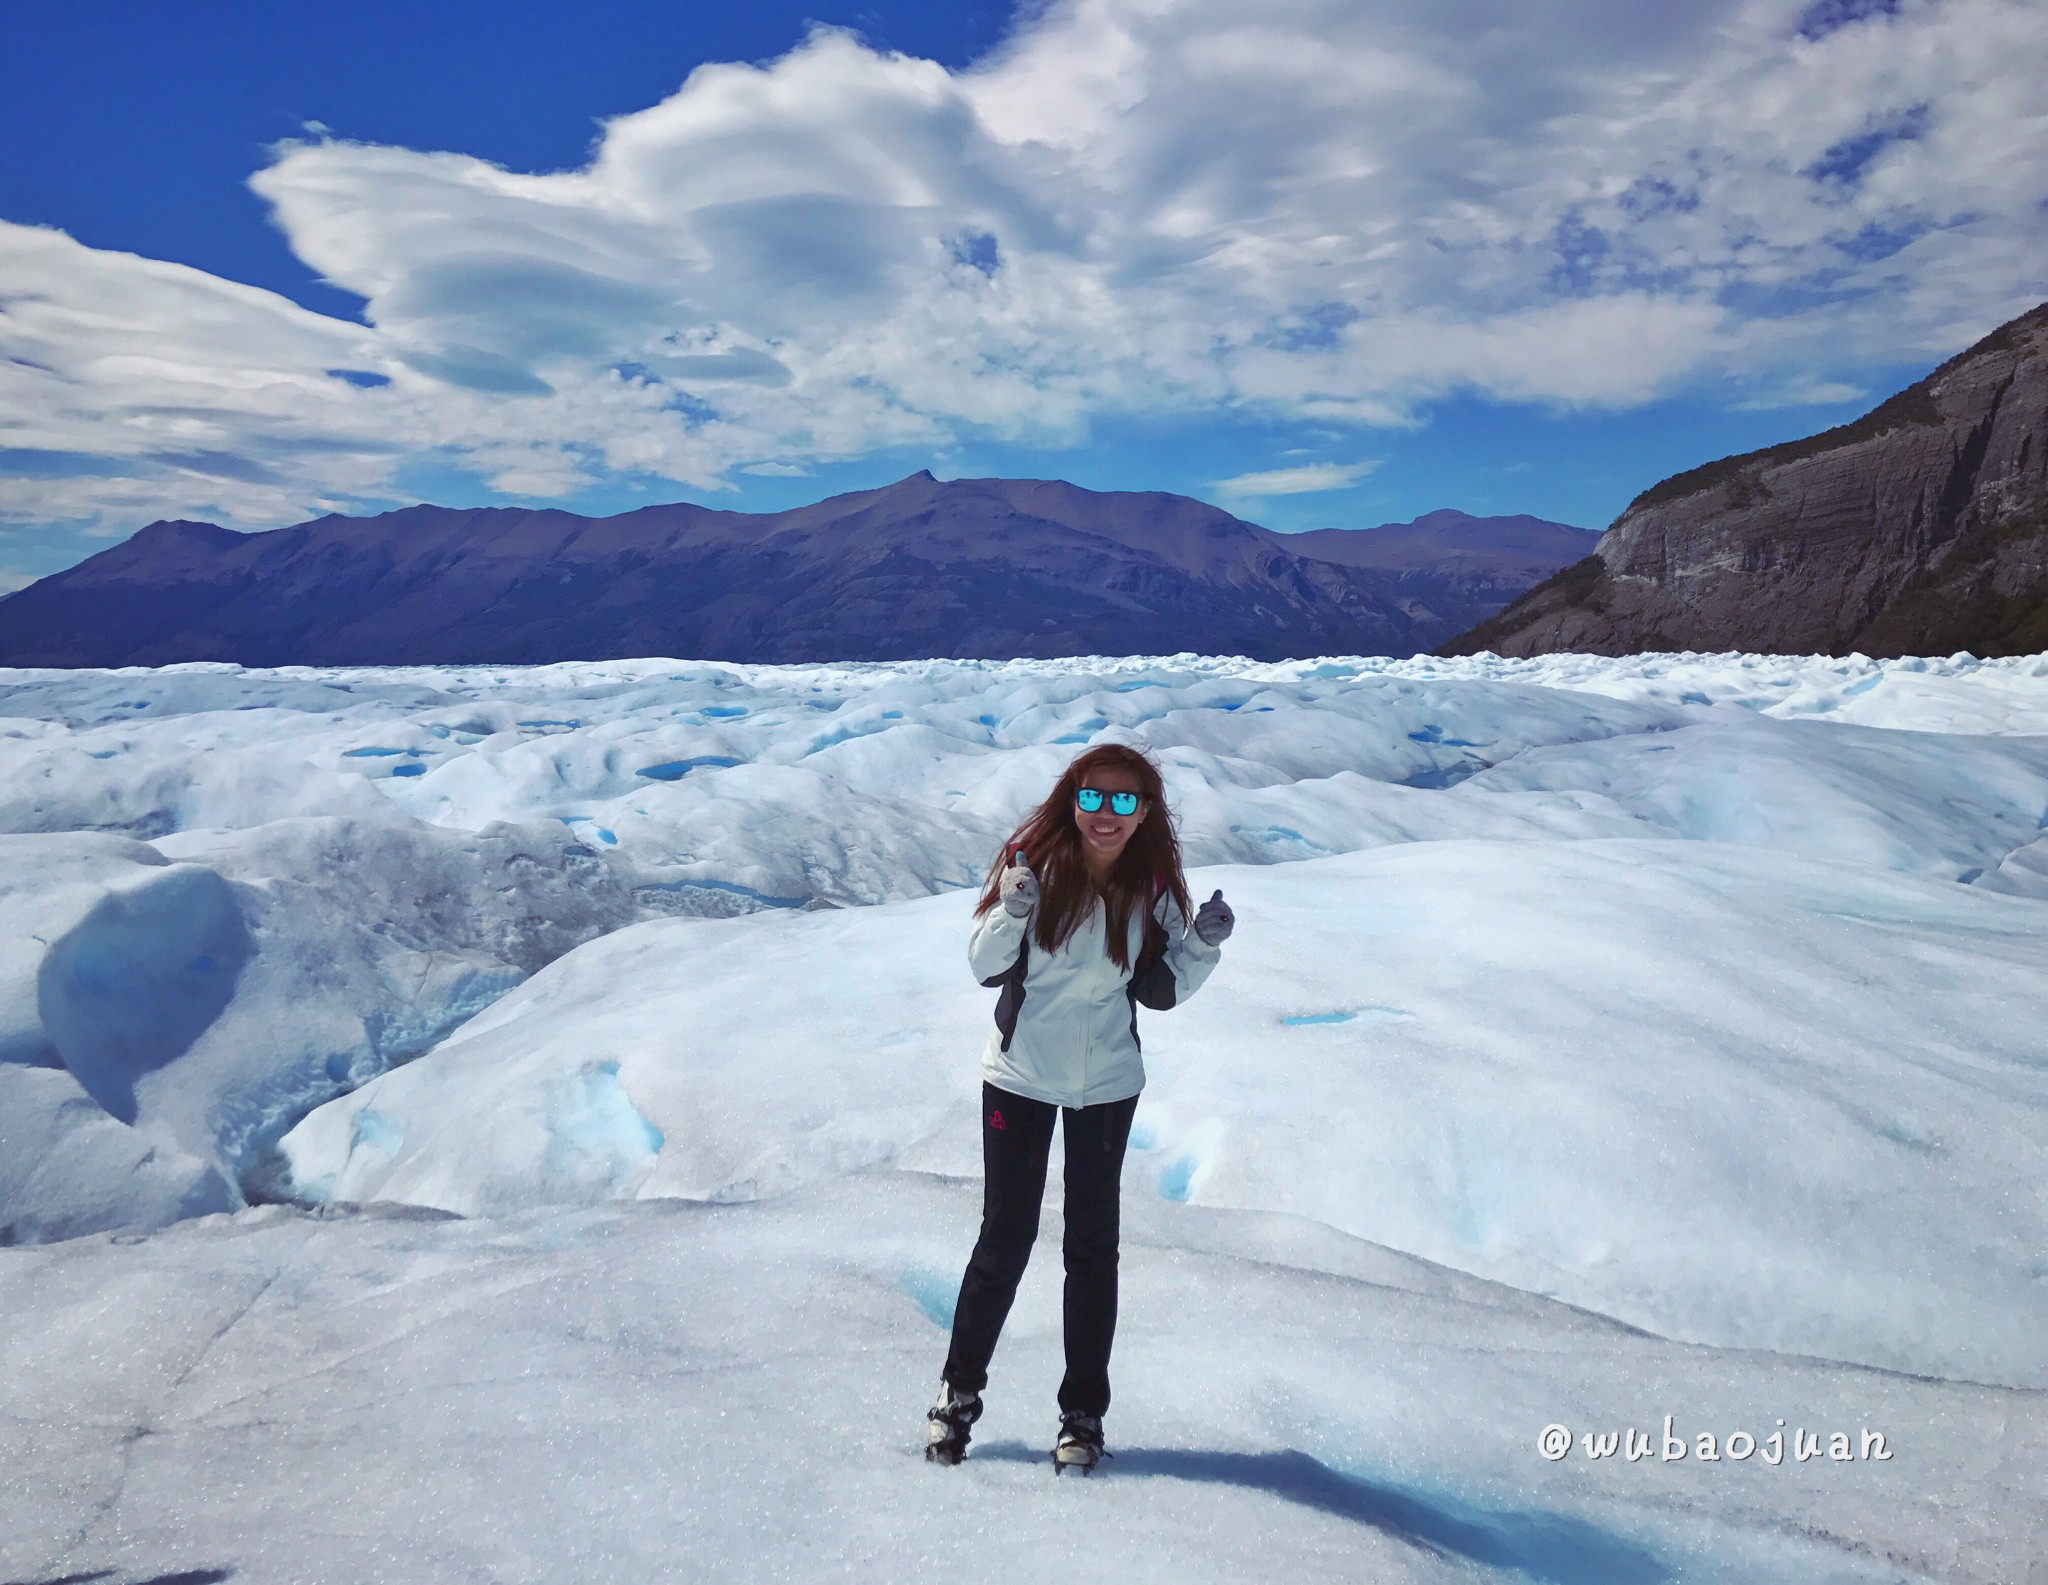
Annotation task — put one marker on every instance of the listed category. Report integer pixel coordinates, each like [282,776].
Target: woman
[1081,920]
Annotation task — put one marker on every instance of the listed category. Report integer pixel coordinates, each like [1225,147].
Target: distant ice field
[1695,1000]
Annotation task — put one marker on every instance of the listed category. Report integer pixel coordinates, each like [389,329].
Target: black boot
[1080,1443]
[947,1422]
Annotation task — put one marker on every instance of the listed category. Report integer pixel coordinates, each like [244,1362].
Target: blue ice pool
[677,769]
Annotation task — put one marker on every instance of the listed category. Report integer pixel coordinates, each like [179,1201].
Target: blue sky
[1320,261]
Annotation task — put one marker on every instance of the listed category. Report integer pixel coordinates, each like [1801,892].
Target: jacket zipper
[1088,1040]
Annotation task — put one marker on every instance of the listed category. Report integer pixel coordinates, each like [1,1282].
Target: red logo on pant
[995,1120]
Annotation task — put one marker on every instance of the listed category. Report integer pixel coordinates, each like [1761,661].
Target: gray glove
[1214,921]
[1019,887]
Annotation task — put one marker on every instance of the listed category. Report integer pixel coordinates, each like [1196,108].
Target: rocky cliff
[1921,528]
[991,568]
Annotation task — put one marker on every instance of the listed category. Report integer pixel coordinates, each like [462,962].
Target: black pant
[1016,1138]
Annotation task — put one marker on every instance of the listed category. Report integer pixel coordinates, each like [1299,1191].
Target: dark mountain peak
[181,538]
[168,548]
[912,486]
[183,530]
[1921,527]
[918,486]
[1520,548]
[1449,520]
[854,508]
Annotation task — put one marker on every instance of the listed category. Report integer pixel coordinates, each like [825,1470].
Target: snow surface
[1798,1143]
[1601,1039]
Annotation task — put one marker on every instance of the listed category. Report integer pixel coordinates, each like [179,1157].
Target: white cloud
[129,385]
[775,470]
[1319,210]
[1798,392]
[1309,479]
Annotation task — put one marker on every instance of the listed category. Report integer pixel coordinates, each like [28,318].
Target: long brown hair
[1148,865]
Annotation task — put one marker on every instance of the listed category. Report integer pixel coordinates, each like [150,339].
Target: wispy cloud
[1803,393]
[1593,203]
[1309,479]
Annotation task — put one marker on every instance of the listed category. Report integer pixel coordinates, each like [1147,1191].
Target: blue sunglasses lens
[1088,800]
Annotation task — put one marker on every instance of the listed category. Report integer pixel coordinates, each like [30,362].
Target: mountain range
[989,568]
[1921,528]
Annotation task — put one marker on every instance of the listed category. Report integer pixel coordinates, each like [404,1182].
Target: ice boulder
[181,1004]
[113,961]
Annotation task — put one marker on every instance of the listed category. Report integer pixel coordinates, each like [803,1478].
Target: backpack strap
[1152,980]
[1011,1002]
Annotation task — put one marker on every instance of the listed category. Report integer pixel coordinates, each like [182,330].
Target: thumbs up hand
[1214,921]
[1018,887]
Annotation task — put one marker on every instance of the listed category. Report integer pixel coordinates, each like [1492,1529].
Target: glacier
[500,1099]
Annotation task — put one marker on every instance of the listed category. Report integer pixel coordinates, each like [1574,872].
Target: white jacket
[1067,1025]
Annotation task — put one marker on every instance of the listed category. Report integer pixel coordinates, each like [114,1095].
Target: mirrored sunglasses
[1089,800]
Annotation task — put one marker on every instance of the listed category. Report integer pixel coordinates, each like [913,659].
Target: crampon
[1079,1445]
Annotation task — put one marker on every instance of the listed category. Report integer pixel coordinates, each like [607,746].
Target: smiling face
[1103,833]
